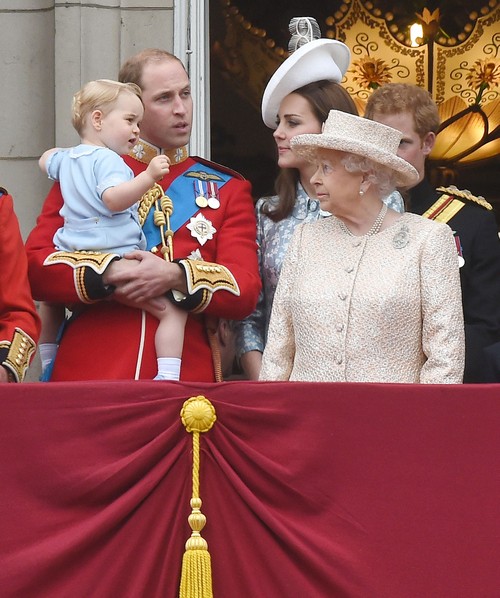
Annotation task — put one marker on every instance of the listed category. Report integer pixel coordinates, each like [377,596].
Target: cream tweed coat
[381,308]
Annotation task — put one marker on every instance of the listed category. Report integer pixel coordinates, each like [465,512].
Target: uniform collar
[145,152]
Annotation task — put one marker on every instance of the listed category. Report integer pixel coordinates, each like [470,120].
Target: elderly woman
[367,295]
[296,100]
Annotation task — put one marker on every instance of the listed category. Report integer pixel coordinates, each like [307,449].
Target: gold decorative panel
[462,71]
[462,76]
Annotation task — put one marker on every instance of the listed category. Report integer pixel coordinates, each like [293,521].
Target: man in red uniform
[19,322]
[199,218]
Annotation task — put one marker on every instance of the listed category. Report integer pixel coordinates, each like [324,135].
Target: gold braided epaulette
[466,194]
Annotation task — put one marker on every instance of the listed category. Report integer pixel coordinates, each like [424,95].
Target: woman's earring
[361,192]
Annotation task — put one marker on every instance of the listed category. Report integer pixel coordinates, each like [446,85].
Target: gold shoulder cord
[161,217]
[163,210]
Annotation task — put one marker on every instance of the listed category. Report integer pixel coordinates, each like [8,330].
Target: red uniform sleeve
[54,283]
[234,247]
[58,283]
[19,322]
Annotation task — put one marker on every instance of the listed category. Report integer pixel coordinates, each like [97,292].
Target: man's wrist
[179,285]
[97,286]
[9,374]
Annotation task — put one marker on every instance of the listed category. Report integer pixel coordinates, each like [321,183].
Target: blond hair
[98,95]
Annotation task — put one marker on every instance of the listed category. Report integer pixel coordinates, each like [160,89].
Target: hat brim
[318,60]
[306,146]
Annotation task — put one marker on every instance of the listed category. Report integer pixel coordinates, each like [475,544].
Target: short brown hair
[131,70]
[395,98]
[98,95]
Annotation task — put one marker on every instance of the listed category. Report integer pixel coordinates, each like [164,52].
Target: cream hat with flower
[317,60]
[357,135]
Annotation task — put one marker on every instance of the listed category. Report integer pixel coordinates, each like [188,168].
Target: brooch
[401,238]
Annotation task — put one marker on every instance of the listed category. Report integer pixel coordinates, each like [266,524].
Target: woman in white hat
[297,100]
[368,295]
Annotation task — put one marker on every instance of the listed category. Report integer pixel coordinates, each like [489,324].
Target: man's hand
[142,277]
[4,376]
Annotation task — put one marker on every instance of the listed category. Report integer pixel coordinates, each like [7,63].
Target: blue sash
[181,192]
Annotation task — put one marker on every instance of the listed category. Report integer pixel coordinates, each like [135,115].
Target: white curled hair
[383,177]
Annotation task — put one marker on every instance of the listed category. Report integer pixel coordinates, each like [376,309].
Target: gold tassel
[197,415]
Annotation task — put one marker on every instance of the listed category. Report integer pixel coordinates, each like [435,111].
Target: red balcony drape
[310,490]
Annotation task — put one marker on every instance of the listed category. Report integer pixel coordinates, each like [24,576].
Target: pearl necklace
[376,226]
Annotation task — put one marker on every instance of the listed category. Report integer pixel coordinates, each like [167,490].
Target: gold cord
[198,415]
[211,324]
[161,217]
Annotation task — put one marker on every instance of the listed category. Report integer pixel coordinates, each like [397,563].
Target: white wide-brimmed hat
[317,60]
[362,136]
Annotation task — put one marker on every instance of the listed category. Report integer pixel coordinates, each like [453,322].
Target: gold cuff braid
[209,276]
[78,259]
[20,352]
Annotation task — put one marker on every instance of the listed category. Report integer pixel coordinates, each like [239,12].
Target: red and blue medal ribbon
[183,195]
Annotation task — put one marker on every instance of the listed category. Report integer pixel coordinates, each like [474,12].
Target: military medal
[201,228]
[201,201]
[213,199]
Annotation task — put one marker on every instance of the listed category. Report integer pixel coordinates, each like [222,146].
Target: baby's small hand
[159,167]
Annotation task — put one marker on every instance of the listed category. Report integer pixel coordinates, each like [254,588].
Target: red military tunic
[107,340]
[19,322]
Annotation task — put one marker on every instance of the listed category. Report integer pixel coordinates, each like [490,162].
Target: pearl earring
[361,192]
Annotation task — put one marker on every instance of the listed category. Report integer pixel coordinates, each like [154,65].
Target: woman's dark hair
[322,96]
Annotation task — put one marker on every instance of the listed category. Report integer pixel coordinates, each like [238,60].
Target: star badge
[201,228]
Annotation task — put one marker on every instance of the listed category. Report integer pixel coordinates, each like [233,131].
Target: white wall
[48,50]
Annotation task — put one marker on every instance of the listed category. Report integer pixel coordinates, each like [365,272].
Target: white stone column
[26,101]
[191,45]
[48,49]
